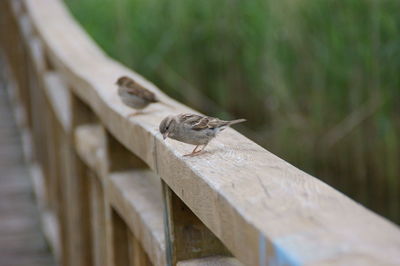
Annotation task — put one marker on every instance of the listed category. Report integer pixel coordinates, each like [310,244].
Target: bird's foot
[193,153]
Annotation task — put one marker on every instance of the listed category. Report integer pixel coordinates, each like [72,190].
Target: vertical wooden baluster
[98,222]
[51,158]
[119,159]
[59,144]
[137,255]
[109,241]
[78,193]
[186,236]
[120,241]
[16,52]
[65,237]
[42,138]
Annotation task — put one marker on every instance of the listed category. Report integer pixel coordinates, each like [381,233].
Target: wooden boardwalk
[21,239]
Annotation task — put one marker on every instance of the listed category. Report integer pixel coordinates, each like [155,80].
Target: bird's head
[166,126]
[124,80]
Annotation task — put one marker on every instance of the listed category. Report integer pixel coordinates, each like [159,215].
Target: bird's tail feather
[236,121]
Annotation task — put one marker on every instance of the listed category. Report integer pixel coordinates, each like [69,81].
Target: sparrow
[194,129]
[134,95]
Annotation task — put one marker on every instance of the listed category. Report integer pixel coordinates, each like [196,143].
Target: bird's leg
[202,149]
[194,152]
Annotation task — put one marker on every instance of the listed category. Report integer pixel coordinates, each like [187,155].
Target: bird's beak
[165,135]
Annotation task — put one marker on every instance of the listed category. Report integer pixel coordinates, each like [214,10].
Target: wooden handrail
[237,200]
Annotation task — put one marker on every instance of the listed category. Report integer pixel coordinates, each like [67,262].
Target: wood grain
[211,261]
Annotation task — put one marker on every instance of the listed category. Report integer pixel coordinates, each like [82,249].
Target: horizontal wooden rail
[118,194]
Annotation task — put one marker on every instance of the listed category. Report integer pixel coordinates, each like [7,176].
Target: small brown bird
[194,129]
[134,95]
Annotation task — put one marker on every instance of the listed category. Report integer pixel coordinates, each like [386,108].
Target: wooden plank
[38,184]
[108,212]
[62,164]
[90,145]
[50,223]
[77,194]
[25,27]
[36,53]
[186,236]
[211,261]
[136,197]
[19,56]
[17,7]
[137,255]
[98,222]
[120,241]
[66,172]
[52,232]
[52,162]
[78,213]
[59,98]
[263,209]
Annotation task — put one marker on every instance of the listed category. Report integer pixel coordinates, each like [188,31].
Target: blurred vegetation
[319,81]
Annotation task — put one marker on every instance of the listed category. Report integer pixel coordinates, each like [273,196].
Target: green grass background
[319,81]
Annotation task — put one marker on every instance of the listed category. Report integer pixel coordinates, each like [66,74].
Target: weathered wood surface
[21,240]
[137,200]
[211,261]
[262,209]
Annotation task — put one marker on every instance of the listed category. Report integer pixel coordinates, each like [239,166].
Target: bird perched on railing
[135,95]
[194,129]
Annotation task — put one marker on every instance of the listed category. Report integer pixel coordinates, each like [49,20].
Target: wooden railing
[112,192]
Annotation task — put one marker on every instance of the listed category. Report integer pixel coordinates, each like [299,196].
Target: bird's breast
[194,137]
[131,100]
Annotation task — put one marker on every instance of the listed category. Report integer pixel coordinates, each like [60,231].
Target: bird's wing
[199,122]
[137,90]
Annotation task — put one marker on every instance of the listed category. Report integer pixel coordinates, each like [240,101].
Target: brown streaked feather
[198,122]
[189,118]
[202,123]
[141,92]
[215,122]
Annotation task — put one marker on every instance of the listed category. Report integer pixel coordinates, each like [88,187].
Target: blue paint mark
[262,251]
[282,254]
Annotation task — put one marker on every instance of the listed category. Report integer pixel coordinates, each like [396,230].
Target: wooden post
[186,236]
